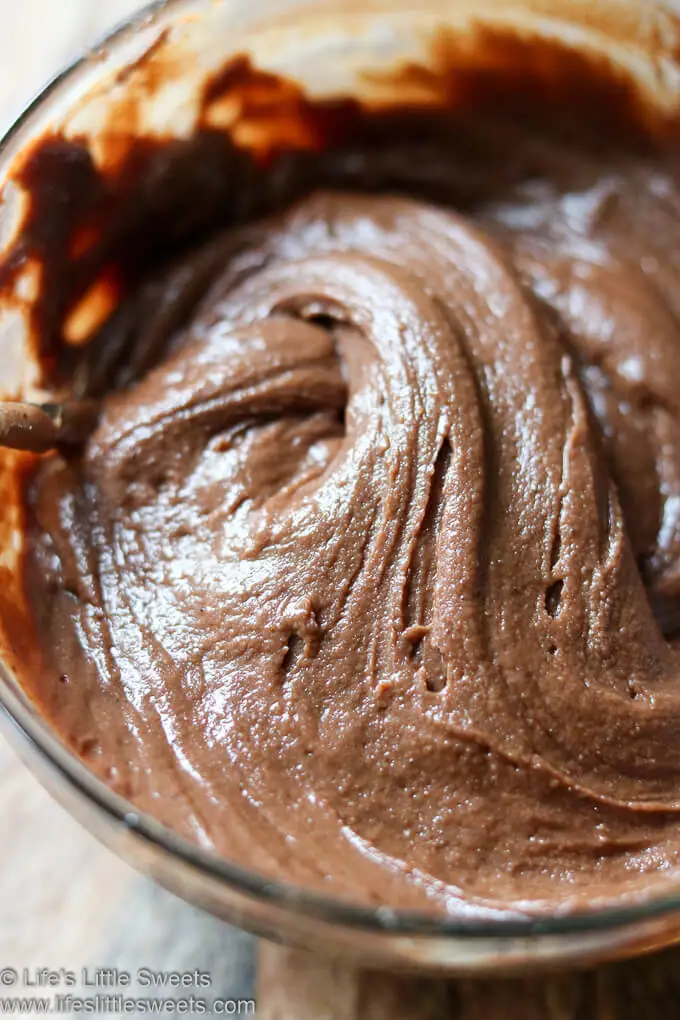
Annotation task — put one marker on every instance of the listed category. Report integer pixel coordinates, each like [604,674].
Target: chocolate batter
[368,576]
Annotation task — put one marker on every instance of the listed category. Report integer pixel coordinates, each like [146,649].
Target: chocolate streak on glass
[126,218]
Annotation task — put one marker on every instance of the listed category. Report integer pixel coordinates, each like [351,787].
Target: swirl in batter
[365,581]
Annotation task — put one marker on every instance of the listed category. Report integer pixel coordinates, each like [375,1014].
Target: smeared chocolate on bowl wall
[368,576]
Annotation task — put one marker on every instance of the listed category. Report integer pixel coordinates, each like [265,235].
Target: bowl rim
[21,720]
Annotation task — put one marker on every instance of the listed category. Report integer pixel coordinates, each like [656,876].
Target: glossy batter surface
[370,580]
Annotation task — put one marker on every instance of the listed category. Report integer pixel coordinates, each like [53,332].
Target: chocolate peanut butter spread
[368,576]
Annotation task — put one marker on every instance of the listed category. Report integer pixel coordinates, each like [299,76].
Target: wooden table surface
[66,901]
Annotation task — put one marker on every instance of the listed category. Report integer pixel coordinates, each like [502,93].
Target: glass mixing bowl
[163,58]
